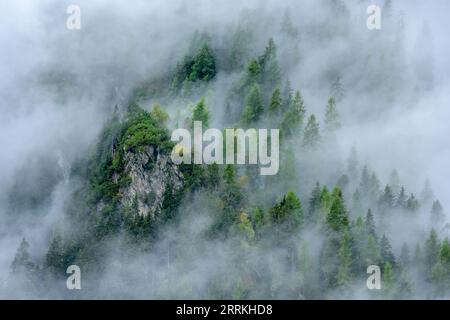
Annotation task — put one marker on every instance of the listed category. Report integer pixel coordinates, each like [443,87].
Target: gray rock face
[152,174]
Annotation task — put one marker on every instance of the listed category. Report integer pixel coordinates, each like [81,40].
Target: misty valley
[267,150]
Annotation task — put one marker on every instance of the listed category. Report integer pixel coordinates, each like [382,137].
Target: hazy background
[122,43]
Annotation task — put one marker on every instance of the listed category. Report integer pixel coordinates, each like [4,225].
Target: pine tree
[356,202]
[345,261]
[314,204]
[287,96]
[54,259]
[387,199]
[253,70]
[437,213]
[337,91]
[372,255]
[201,113]
[269,65]
[287,215]
[204,67]
[24,273]
[370,224]
[332,119]
[440,273]
[386,251]
[295,115]
[412,204]
[388,280]
[254,105]
[364,185]
[337,218]
[311,137]
[275,102]
[159,114]
[394,181]
[229,174]
[401,199]
[431,252]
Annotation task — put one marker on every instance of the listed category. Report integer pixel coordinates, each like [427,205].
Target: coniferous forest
[87,177]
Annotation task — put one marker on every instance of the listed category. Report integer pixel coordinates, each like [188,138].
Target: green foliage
[142,130]
[200,67]
[287,214]
[431,252]
[201,113]
[204,65]
[254,106]
[337,218]
[159,115]
[275,102]
[294,116]
[387,199]
[386,252]
[345,259]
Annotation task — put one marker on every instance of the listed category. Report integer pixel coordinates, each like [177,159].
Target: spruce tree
[254,106]
[386,251]
[332,119]
[314,204]
[275,102]
[370,224]
[337,218]
[401,199]
[204,67]
[431,252]
[311,136]
[201,113]
[345,260]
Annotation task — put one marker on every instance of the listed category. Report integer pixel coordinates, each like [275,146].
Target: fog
[58,88]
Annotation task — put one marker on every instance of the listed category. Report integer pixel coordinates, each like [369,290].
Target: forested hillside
[140,226]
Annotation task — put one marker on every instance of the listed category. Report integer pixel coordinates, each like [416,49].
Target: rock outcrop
[153,176]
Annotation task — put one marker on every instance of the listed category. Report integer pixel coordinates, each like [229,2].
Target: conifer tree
[370,224]
[201,113]
[437,213]
[314,204]
[372,253]
[287,95]
[401,199]
[345,260]
[204,67]
[275,102]
[254,105]
[386,251]
[332,119]
[22,260]
[412,204]
[337,218]
[387,199]
[295,115]
[311,136]
[431,252]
